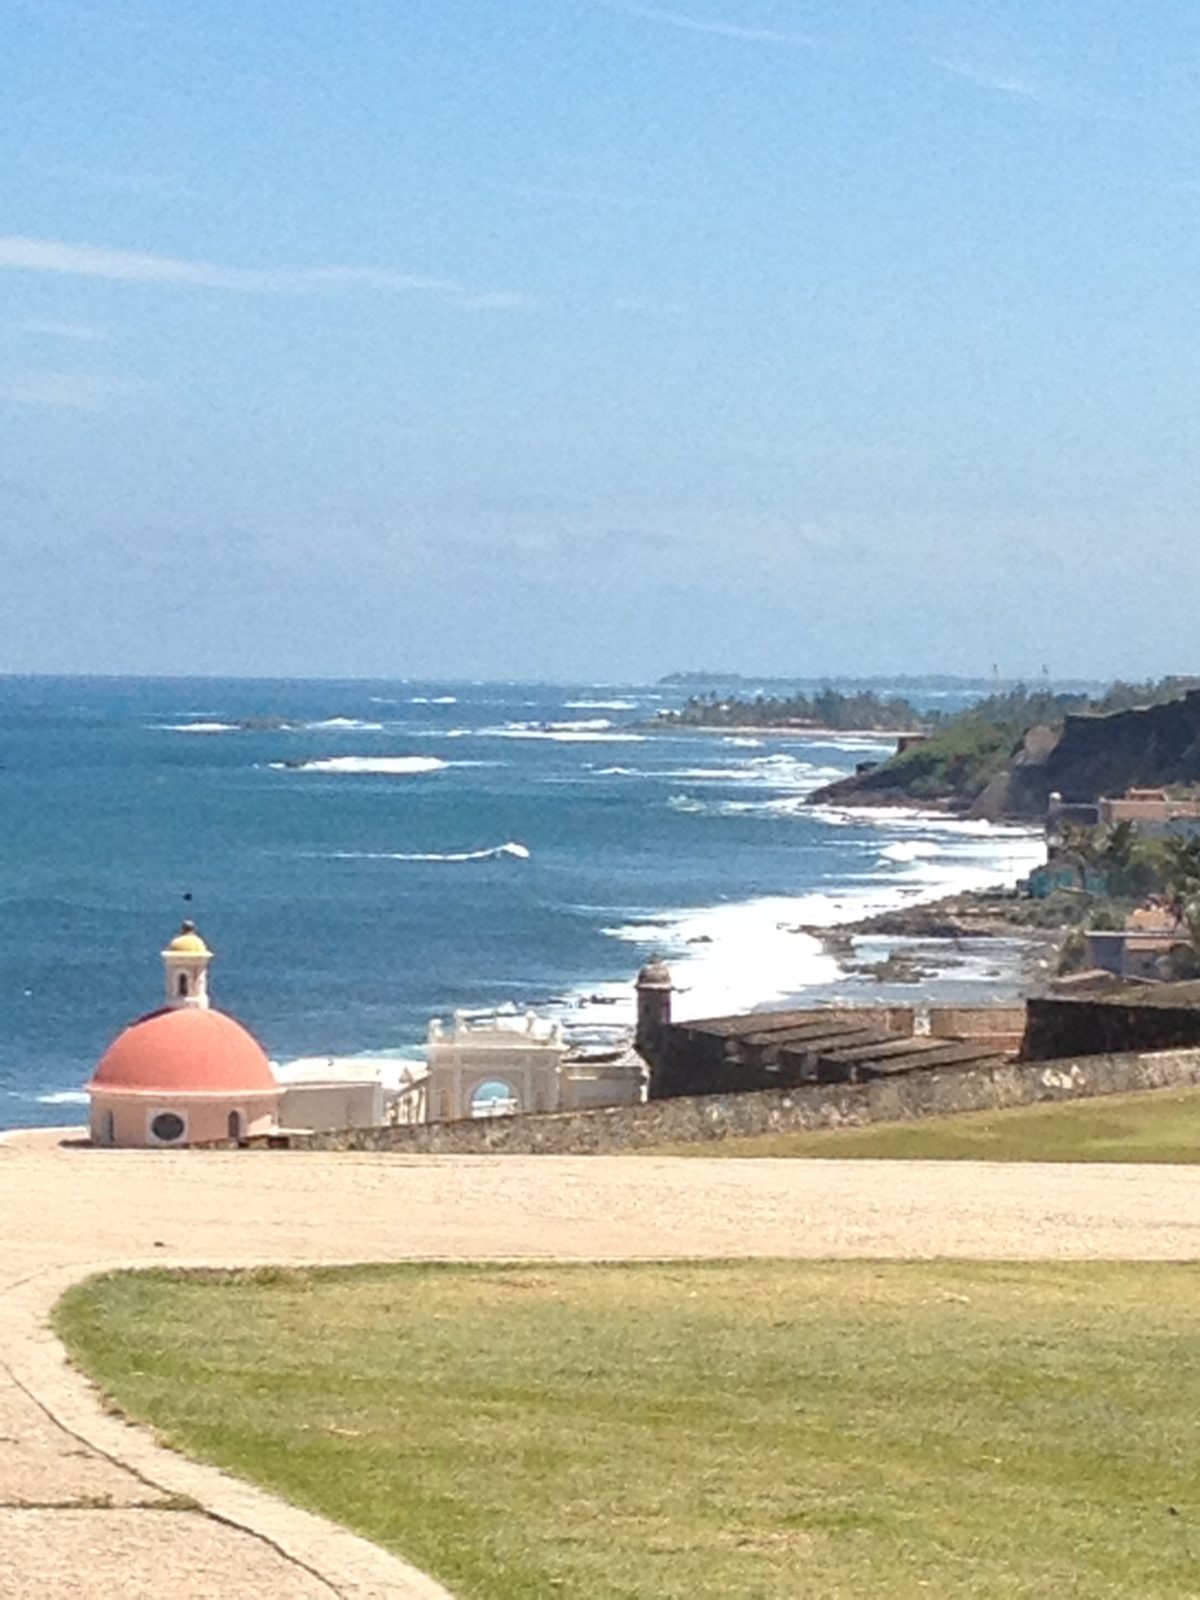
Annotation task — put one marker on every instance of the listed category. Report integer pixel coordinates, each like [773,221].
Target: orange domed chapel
[186,1073]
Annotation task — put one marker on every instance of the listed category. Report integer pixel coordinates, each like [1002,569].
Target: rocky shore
[919,943]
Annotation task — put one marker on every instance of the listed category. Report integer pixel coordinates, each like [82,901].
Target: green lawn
[760,1429]
[1162,1125]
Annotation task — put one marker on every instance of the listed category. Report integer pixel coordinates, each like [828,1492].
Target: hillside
[1005,758]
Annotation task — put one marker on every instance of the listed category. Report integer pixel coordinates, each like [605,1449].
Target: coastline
[928,939]
[934,916]
[784,730]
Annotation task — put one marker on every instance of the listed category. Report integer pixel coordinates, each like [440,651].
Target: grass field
[721,1430]
[1162,1125]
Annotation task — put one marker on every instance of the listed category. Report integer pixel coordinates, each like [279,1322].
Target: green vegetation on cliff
[1022,729]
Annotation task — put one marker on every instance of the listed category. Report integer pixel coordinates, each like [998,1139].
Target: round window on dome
[168,1128]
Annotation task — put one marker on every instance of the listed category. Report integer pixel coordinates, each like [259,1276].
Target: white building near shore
[497,1065]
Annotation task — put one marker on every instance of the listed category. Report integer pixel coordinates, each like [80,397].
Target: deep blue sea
[365,856]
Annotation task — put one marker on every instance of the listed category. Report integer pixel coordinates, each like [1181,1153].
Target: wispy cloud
[79,332]
[718,26]
[132,266]
[1021,86]
[1001,82]
[73,391]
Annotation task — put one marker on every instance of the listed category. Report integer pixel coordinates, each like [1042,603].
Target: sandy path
[81,1494]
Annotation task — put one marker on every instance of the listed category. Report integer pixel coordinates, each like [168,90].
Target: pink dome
[185,1052]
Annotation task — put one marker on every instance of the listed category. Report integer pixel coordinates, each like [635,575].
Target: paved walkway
[92,1507]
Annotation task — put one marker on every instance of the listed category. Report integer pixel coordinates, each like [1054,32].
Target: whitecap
[561,735]
[383,766]
[64,1097]
[344,723]
[510,849]
[909,850]
[600,705]
[199,727]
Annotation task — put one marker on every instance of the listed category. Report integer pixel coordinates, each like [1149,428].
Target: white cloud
[134,266]
[80,332]
[714,25]
[73,391]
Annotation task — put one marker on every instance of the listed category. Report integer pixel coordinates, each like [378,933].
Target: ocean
[365,856]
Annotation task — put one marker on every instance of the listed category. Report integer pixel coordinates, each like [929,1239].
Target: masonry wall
[1058,1027]
[904,1098]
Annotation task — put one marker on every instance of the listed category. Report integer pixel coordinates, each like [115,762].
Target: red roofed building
[185,1074]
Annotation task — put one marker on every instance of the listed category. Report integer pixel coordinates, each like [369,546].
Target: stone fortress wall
[906,1097]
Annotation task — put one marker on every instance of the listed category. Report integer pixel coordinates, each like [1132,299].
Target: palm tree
[1082,845]
[1181,868]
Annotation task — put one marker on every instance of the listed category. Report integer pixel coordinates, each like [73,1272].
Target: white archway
[494,1097]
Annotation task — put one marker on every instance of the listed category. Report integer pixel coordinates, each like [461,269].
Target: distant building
[185,1074]
[501,1065]
[1145,948]
[1152,812]
[188,1074]
[1062,814]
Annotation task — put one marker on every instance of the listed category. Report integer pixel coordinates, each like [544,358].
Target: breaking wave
[518,852]
[200,727]
[340,724]
[600,705]
[595,731]
[909,850]
[382,766]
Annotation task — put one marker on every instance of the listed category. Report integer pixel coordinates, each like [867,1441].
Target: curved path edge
[36,1360]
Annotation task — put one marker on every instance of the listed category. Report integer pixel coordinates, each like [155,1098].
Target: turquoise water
[364,856]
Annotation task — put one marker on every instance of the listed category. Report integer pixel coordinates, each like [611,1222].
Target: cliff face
[1091,757]
[1098,756]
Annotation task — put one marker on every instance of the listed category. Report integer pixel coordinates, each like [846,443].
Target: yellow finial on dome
[187,942]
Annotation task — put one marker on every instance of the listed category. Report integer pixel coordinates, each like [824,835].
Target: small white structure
[500,1065]
[325,1094]
[487,1066]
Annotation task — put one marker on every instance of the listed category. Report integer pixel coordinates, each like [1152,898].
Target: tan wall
[327,1106]
[206,1119]
[615,1089]
[1002,1026]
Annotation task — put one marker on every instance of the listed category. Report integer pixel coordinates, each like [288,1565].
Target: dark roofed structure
[783,1049]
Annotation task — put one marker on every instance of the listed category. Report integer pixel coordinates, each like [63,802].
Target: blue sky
[584,338]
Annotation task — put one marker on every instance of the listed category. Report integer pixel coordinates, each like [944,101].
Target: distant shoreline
[783,730]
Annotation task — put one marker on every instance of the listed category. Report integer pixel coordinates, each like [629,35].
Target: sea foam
[382,766]
[343,724]
[498,852]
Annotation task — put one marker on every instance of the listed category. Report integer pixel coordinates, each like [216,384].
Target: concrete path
[90,1506]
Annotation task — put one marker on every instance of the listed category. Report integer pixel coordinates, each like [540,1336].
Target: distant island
[904,683]
[828,708]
